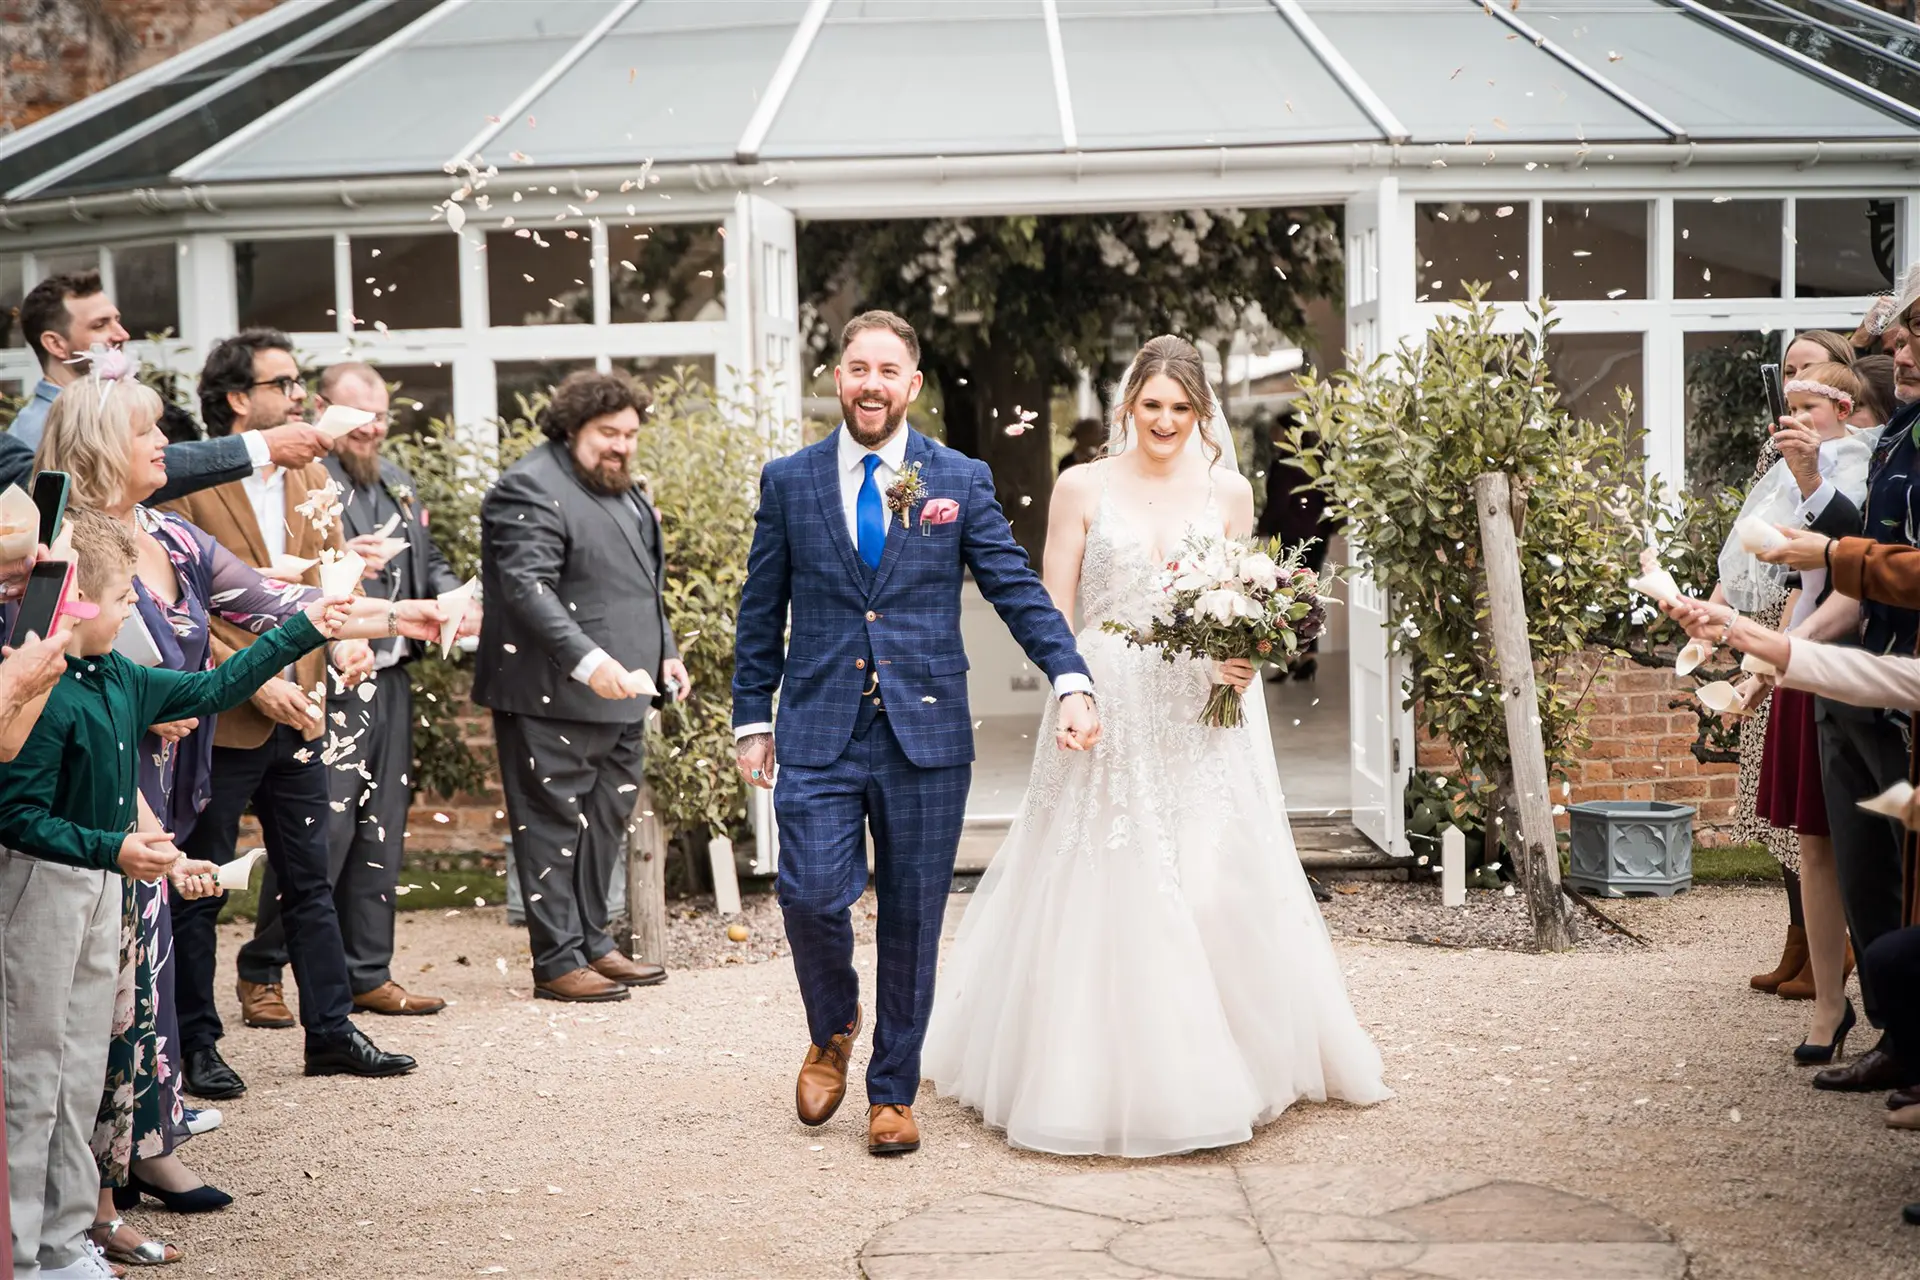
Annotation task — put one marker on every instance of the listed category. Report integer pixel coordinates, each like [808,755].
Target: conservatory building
[480,196]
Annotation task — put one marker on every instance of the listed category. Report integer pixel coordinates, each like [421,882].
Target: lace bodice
[1117,568]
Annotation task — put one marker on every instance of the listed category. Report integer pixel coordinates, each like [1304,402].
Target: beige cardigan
[1852,675]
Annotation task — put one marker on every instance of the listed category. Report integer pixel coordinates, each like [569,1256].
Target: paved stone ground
[1273,1222]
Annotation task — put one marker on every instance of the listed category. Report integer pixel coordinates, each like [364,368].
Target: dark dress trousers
[567,570]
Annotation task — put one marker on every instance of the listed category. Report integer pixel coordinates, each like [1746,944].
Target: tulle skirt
[1143,969]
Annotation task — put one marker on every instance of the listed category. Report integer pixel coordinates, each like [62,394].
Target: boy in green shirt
[69,813]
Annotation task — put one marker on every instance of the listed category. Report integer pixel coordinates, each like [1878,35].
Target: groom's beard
[849,414]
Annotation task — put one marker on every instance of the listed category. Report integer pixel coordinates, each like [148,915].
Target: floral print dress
[141,1109]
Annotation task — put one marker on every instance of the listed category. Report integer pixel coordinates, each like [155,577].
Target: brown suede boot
[1800,986]
[1792,960]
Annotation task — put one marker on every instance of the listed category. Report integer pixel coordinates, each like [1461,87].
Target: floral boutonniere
[904,492]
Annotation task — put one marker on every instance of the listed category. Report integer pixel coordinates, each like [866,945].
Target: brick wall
[55,52]
[1642,748]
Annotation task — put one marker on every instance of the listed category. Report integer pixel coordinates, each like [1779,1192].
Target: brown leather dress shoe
[263,1004]
[581,986]
[618,968]
[1871,1072]
[823,1076]
[1908,1096]
[891,1130]
[395,1000]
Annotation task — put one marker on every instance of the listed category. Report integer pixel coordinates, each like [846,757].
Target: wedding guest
[1879,397]
[264,752]
[67,802]
[1792,978]
[369,779]
[1089,442]
[573,564]
[1864,750]
[62,319]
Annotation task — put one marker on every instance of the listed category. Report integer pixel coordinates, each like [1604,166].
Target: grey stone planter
[1618,847]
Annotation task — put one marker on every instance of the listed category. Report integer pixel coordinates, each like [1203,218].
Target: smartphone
[50,496]
[40,607]
[1776,395]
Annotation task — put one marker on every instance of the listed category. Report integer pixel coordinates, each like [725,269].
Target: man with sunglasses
[269,752]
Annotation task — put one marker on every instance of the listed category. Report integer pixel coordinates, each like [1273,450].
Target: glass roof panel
[1712,84]
[954,77]
[62,145]
[673,80]
[1452,73]
[1154,73]
[1858,59]
[150,159]
[410,111]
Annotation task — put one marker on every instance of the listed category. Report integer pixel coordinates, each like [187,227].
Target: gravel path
[656,1137]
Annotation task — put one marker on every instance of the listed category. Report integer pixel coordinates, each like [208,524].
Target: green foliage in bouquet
[1398,446]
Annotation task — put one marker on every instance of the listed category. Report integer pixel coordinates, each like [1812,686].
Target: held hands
[295,445]
[754,755]
[282,702]
[1237,672]
[1079,727]
[1803,550]
[329,614]
[147,855]
[174,730]
[192,878]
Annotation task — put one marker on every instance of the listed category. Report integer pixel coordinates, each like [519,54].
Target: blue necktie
[869,517]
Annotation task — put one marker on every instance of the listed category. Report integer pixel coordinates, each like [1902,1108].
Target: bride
[1143,969]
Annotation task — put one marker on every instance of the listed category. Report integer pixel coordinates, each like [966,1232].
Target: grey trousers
[59,960]
[1861,755]
[366,836]
[570,789]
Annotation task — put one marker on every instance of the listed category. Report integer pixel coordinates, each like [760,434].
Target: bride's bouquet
[1222,599]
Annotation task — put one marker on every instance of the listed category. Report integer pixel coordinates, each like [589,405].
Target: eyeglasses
[284,385]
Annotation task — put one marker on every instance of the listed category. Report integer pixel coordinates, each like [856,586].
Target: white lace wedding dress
[1143,969]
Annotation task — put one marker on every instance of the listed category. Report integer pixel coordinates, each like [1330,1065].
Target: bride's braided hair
[1177,359]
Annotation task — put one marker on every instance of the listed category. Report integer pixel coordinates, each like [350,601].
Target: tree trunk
[1536,851]
[1023,463]
[646,882]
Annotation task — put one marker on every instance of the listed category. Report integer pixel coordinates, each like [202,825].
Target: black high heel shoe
[1814,1055]
[202,1199]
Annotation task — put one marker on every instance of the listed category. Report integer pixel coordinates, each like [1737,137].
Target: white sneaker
[204,1120]
[90,1265]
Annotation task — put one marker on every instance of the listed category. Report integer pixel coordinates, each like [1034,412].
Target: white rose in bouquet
[1202,571]
[1225,606]
[1259,570]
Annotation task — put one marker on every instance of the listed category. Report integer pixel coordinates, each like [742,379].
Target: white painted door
[764,299]
[770,330]
[1379,250]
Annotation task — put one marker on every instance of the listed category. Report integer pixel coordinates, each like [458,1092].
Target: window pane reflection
[539,277]
[1590,372]
[285,284]
[146,287]
[516,382]
[12,290]
[1726,248]
[1843,248]
[1458,244]
[65,262]
[1594,249]
[406,282]
[425,393]
[666,271]
[1726,407]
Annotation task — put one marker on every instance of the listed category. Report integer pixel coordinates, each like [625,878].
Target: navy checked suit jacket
[903,618]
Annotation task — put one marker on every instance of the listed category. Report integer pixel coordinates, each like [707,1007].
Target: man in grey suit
[370,784]
[65,316]
[572,564]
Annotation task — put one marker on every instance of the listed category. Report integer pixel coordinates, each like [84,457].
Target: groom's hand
[754,755]
[1079,727]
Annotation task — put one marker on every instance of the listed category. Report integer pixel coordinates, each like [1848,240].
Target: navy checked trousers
[916,815]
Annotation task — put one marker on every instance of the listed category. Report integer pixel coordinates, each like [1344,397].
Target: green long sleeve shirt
[70,795]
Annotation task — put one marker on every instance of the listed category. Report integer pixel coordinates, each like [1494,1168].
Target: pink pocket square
[939,511]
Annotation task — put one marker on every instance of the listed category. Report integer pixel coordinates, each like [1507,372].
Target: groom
[866,536]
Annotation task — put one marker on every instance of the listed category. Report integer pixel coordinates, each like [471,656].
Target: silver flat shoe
[148,1253]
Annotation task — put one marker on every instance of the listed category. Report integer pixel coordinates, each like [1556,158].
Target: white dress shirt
[267,492]
[853,474]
